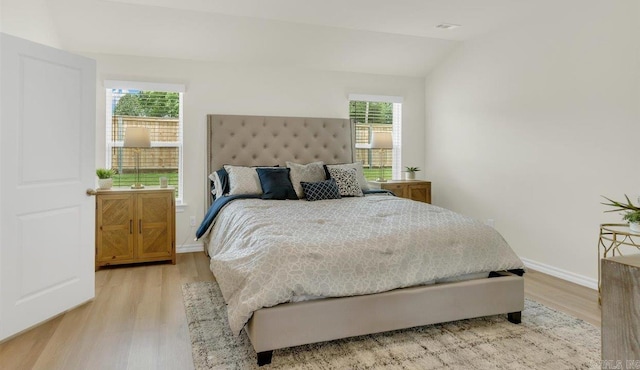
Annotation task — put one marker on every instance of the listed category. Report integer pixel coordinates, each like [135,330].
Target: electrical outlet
[490,222]
[192,221]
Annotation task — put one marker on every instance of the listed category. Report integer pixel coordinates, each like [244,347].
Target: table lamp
[137,138]
[381,140]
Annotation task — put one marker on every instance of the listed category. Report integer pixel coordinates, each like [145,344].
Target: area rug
[546,339]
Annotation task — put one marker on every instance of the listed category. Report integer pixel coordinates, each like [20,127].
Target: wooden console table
[135,225]
[612,237]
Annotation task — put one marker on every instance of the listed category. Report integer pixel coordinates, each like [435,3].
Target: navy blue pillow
[327,189]
[276,183]
[223,175]
[224,181]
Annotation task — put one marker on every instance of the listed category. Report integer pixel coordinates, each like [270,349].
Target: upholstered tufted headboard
[266,141]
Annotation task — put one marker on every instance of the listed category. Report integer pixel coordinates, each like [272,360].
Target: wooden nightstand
[411,189]
[620,308]
[135,225]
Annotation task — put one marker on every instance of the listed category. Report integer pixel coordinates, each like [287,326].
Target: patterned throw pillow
[364,184]
[312,172]
[347,181]
[327,189]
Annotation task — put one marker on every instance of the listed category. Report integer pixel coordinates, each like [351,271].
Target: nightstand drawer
[397,189]
[411,189]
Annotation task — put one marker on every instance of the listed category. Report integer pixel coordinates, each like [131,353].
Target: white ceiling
[396,37]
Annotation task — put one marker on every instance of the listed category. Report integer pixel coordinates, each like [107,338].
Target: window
[373,113]
[158,107]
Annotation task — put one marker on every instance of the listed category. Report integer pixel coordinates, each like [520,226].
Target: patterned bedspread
[267,252]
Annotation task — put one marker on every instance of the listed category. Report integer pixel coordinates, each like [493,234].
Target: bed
[278,314]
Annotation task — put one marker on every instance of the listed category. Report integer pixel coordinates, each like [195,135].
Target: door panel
[35,256]
[420,192]
[155,223]
[114,236]
[47,156]
[36,131]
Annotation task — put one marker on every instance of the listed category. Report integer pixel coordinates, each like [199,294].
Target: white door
[47,149]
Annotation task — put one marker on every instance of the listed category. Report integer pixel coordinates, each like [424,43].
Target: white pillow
[364,184]
[217,184]
[243,180]
[312,172]
[347,181]
[212,177]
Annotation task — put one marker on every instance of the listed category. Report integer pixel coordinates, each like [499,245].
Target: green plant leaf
[629,206]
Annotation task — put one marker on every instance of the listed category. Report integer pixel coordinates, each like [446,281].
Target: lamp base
[137,186]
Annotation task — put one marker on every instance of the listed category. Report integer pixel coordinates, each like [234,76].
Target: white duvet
[267,252]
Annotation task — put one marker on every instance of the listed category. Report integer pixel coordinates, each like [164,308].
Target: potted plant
[410,173]
[105,180]
[632,212]
[633,217]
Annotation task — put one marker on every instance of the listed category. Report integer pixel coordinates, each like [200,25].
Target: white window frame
[147,86]
[396,164]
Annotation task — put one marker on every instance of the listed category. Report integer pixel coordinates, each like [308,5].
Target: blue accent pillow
[213,189]
[219,182]
[276,184]
[224,180]
[327,189]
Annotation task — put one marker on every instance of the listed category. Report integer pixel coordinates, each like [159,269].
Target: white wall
[530,125]
[226,89]
[28,19]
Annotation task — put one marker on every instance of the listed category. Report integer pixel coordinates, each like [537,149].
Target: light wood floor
[137,320]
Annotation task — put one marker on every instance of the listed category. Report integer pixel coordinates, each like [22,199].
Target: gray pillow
[312,172]
[243,180]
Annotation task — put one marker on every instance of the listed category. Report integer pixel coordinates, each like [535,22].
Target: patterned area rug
[546,339]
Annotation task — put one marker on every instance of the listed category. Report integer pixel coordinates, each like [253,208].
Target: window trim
[140,85]
[377,98]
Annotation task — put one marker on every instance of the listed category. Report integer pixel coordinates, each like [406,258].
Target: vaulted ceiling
[396,37]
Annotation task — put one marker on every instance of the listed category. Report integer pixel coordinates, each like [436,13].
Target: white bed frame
[257,140]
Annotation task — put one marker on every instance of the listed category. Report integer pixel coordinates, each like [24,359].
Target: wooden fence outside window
[164,157]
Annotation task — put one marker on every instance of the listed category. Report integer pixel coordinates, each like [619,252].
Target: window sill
[180,207]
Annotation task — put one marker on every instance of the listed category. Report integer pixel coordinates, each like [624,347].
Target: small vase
[409,175]
[634,226]
[105,184]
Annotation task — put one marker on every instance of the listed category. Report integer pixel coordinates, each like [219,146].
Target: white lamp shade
[137,137]
[381,140]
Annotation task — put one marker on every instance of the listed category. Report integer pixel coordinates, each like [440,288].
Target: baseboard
[561,274]
[188,248]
